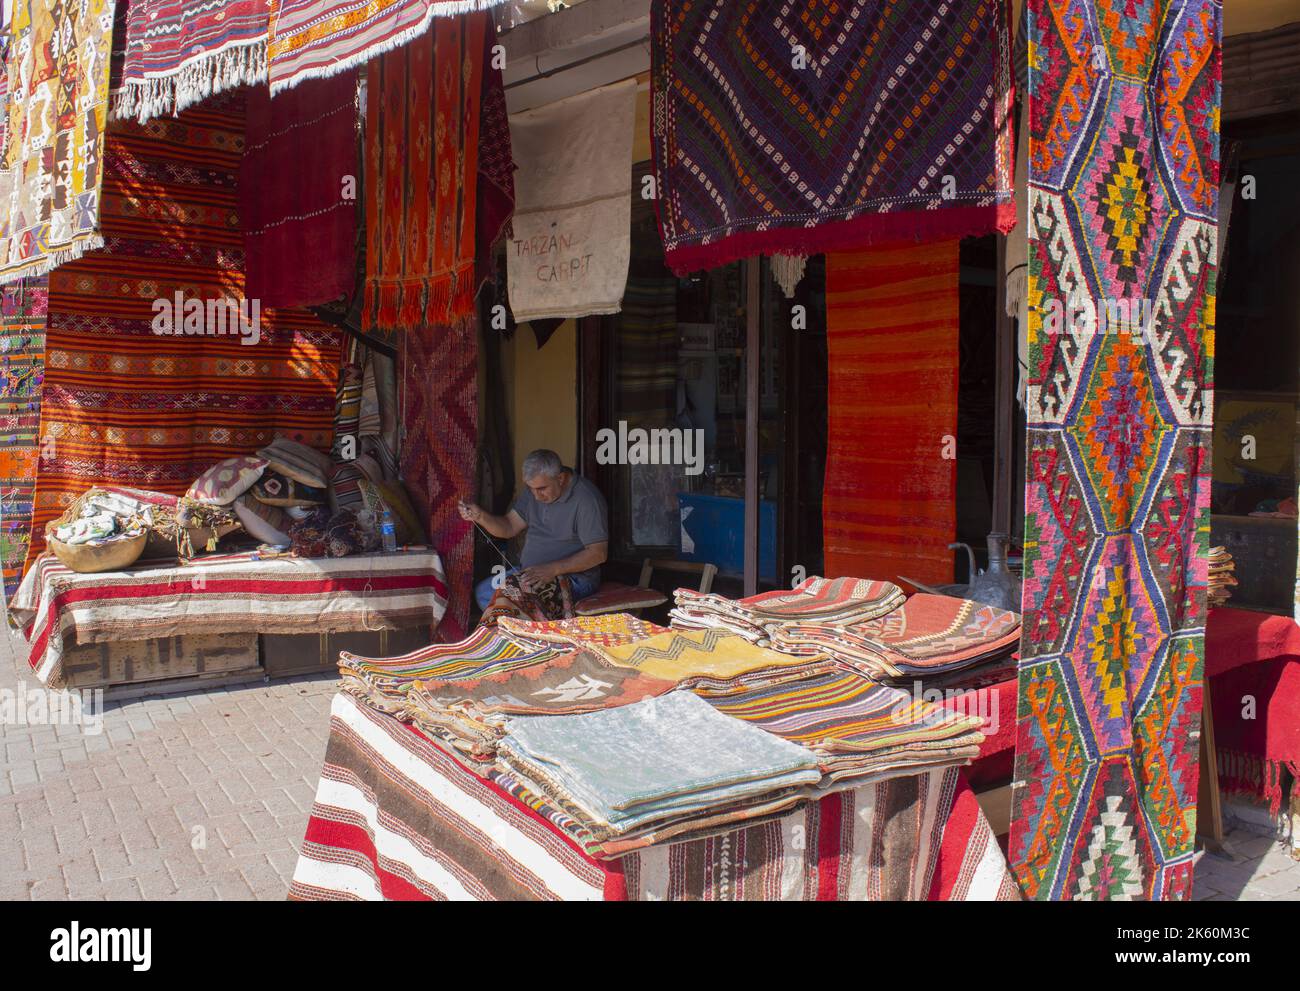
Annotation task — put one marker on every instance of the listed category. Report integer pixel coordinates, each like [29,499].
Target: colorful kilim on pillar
[23,305]
[178,52]
[801,128]
[127,404]
[51,164]
[1123,169]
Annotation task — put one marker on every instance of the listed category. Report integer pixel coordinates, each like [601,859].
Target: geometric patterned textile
[178,52]
[438,372]
[397,817]
[421,174]
[608,630]
[1124,99]
[800,128]
[23,306]
[51,161]
[125,405]
[315,38]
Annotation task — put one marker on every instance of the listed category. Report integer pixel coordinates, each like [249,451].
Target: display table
[228,593]
[396,817]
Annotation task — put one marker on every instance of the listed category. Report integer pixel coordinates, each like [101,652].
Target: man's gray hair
[542,462]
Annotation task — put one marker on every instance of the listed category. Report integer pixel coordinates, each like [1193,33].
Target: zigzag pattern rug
[828,124]
[1123,170]
[439,383]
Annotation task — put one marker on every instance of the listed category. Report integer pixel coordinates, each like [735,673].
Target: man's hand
[538,574]
[469,511]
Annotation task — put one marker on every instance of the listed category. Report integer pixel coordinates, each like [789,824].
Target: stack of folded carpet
[714,662]
[624,741]
[606,630]
[859,728]
[826,601]
[472,713]
[928,635]
[662,767]
[1222,577]
[383,683]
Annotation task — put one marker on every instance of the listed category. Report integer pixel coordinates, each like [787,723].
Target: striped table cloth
[396,817]
[227,593]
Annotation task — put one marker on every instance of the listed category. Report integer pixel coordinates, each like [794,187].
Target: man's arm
[591,556]
[507,526]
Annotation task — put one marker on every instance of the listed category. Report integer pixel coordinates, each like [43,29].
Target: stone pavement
[206,796]
[197,796]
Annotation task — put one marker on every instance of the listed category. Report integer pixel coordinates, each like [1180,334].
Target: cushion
[275,489]
[392,495]
[298,462]
[345,487]
[265,523]
[617,597]
[227,480]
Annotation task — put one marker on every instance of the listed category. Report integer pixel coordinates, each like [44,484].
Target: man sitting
[565,516]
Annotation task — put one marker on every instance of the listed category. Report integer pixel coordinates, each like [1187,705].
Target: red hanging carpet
[124,404]
[439,388]
[1252,667]
[888,507]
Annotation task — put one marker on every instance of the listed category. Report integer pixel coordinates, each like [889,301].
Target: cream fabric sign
[573,205]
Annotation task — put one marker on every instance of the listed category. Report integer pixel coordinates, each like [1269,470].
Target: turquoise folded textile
[670,755]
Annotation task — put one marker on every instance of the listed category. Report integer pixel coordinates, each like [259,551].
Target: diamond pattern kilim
[1123,182]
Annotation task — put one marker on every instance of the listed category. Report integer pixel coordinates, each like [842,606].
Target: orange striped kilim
[124,404]
[889,503]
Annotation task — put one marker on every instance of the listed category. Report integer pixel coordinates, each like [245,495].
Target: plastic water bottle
[388,530]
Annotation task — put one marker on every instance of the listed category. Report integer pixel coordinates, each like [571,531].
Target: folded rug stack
[826,601]
[383,682]
[662,766]
[1222,577]
[928,635]
[858,728]
[471,713]
[607,630]
[714,662]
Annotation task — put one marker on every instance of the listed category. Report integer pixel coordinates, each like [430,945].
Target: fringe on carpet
[1255,777]
[42,266]
[143,99]
[450,8]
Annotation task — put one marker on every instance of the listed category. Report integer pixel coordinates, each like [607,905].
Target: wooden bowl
[111,555]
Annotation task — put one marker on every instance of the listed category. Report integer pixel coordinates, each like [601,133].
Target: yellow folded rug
[681,654]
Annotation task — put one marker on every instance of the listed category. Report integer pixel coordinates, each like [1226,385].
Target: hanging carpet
[23,306]
[889,503]
[795,129]
[51,164]
[1123,171]
[124,403]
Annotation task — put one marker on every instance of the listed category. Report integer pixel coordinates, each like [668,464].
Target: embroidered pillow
[227,480]
[275,489]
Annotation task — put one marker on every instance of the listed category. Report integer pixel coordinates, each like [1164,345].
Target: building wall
[542,386]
